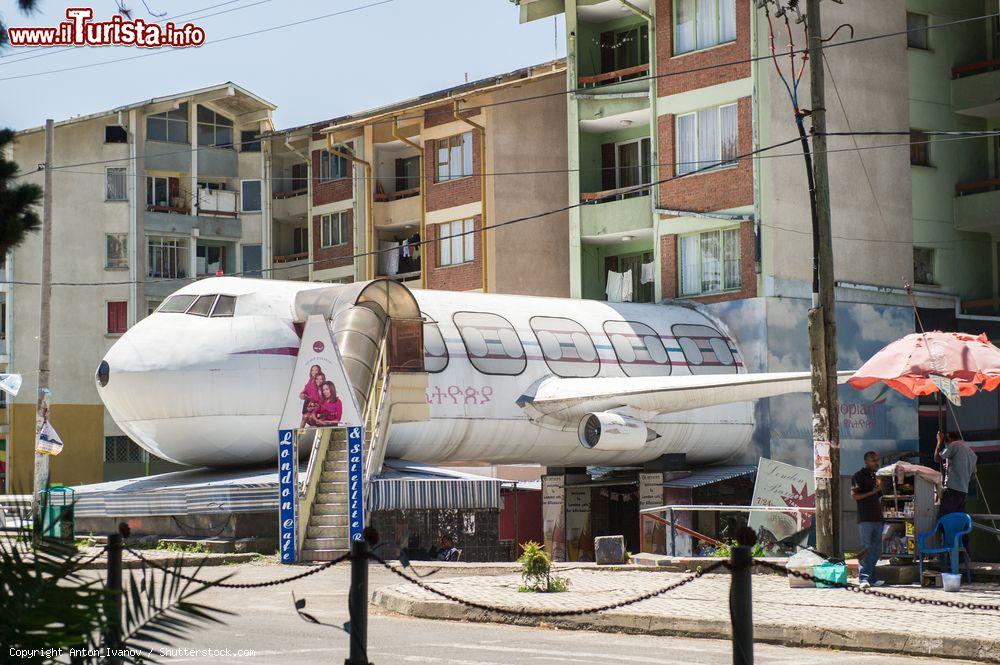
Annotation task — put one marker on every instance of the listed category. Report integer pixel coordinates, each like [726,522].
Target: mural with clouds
[772,336]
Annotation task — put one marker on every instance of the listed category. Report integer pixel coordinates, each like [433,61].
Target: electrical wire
[207,43]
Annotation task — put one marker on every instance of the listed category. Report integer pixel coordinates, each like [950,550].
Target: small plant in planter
[536,571]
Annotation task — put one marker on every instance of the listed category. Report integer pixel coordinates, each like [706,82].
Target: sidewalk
[833,618]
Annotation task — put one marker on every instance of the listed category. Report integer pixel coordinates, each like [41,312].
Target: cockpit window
[202,306]
[705,349]
[176,304]
[224,306]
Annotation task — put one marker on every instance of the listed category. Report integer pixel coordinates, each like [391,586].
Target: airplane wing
[557,401]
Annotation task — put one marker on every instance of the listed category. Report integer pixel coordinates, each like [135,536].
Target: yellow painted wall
[80,426]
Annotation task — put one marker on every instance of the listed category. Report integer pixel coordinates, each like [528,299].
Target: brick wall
[464,276]
[668,63]
[670,268]
[442,115]
[452,193]
[712,190]
[332,257]
[330,191]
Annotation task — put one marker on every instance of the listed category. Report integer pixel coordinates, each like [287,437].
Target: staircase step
[327,520]
[341,544]
[333,476]
[331,488]
[321,555]
[326,509]
[327,531]
[332,465]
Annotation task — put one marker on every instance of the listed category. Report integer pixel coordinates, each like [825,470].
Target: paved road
[265,622]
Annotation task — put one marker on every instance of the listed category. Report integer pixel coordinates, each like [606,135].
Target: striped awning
[710,475]
[423,494]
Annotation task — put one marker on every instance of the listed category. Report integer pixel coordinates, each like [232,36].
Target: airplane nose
[103,373]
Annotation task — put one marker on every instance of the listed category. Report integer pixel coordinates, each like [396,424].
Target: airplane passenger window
[567,348]
[491,342]
[639,349]
[225,306]
[203,305]
[176,304]
[435,351]
[705,349]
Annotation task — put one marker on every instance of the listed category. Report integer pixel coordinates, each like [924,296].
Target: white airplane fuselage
[209,391]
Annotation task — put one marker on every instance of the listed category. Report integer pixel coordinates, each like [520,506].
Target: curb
[187,561]
[986,650]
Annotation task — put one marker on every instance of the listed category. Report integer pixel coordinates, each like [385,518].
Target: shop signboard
[288,468]
[355,481]
[554,516]
[780,484]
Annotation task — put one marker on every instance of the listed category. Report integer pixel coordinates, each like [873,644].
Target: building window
[210,259]
[567,348]
[334,229]
[115,134]
[169,126]
[117,317]
[168,257]
[300,240]
[710,262]
[334,167]
[250,141]
[702,24]
[116,252]
[454,157]
[122,450]
[456,243]
[115,189]
[707,138]
[491,343]
[214,129]
[923,265]
[164,192]
[917,35]
[252,260]
[251,196]
[632,163]
[623,49]
[920,148]
[152,304]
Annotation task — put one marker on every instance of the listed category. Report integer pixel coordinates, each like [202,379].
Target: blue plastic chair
[953,526]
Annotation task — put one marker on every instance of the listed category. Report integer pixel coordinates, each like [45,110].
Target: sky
[319,69]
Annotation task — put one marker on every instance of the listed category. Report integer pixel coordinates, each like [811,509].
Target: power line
[214,41]
[949,136]
[48,50]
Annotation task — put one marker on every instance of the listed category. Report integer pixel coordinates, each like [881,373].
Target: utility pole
[45,306]
[822,316]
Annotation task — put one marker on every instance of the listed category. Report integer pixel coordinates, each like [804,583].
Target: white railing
[216,201]
[376,420]
[670,521]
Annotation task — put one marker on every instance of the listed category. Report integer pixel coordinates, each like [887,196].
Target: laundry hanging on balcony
[647,276]
[619,287]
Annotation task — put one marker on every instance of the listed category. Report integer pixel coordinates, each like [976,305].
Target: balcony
[975,89]
[398,208]
[615,211]
[977,206]
[618,80]
[291,203]
[216,203]
[291,266]
[161,220]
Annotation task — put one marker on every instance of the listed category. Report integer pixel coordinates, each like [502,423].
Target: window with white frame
[116,253]
[707,138]
[170,126]
[114,189]
[214,129]
[456,242]
[710,262]
[702,24]
[334,229]
[334,167]
[251,196]
[158,191]
[454,157]
[167,256]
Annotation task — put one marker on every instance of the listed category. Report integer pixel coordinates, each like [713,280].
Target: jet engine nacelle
[607,430]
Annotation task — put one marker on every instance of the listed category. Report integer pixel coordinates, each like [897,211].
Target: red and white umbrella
[924,363]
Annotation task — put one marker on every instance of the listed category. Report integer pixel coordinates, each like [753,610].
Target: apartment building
[146,197]
[415,181]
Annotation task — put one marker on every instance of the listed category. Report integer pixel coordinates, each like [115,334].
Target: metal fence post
[357,604]
[673,535]
[740,605]
[113,602]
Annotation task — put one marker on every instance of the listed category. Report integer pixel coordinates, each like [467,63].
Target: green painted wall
[963,261]
[590,153]
[588,39]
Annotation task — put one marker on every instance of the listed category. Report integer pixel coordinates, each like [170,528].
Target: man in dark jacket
[866,491]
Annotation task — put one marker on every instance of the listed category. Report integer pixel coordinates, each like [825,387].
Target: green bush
[536,571]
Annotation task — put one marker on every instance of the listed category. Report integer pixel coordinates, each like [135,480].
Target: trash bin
[57,513]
